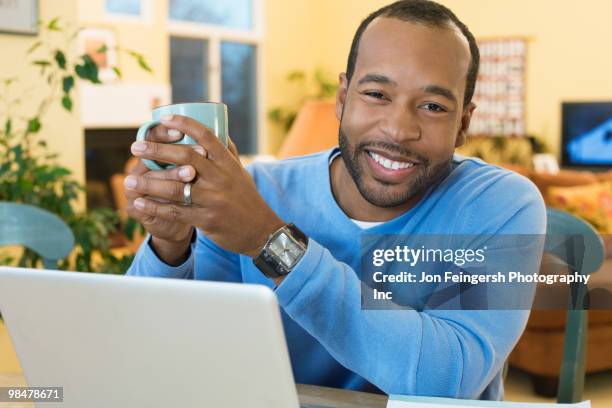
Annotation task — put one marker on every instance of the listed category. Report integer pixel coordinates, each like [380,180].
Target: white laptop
[118,341]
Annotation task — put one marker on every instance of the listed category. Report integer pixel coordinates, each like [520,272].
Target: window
[129,7]
[214,56]
[238,90]
[227,13]
[128,11]
[189,69]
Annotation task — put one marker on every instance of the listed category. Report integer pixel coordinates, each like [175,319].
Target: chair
[579,245]
[314,129]
[36,229]
[121,203]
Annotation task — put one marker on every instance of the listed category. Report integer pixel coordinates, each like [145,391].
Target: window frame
[215,35]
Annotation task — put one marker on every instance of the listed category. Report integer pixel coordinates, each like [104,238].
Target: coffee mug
[211,114]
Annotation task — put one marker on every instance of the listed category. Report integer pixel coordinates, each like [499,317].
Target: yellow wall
[60,129]
[569,57]
[294,36]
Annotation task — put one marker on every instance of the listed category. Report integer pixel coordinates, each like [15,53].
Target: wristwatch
[282,251]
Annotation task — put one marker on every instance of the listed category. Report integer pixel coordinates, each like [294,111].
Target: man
[404,105]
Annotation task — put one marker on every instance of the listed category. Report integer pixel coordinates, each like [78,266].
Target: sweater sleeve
[206,261]
[147,263]
[448,353]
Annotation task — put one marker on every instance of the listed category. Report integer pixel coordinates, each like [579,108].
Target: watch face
[285,250]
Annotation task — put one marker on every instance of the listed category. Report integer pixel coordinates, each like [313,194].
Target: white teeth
[389,164]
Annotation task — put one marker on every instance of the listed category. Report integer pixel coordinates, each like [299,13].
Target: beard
[383,195]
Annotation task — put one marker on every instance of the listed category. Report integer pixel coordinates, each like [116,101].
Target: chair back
[39,230]
[578,244]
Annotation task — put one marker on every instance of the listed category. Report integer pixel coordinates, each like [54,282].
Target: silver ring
[187,194]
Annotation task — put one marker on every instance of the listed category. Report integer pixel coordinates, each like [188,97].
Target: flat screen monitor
[586,134]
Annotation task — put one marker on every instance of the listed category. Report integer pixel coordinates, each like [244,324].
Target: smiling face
[402,114]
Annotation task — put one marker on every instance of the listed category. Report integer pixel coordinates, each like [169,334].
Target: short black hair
[424,12]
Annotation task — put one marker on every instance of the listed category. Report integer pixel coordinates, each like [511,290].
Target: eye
[434,107]
[374,94]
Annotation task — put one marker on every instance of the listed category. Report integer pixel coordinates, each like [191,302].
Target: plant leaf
[88,69]
[275,114]
[34,125]
[102,49]
[60,58]
[134,54]
[80,71]
[76,32]
[117,71]
[296,76]
[143,64]
[42,63]
[67,103]
[8,126]
[53,24]
[67,83]
[130,228]
[34,47]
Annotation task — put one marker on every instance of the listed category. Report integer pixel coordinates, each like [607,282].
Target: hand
[169,239]
[226,205]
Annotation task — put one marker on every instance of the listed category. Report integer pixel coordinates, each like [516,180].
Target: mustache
[393,148]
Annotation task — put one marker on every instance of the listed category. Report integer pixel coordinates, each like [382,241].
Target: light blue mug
[211,114]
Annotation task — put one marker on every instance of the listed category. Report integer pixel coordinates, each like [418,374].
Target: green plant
[539,145]
[324,88]
[29,172]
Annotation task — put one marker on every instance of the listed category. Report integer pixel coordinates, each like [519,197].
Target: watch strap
[267,263]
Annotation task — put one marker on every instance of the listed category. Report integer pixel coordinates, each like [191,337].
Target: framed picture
[19,16]
[500,89]
[92,41]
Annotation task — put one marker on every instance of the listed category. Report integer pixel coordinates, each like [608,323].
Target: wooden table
[308,394]
[333,397]
[13,380]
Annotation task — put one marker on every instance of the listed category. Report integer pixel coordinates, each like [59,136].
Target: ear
[341,95]
[466,117]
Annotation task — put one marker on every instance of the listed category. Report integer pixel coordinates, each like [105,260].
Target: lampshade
[315,128]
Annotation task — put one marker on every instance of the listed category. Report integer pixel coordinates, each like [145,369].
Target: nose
[400,124]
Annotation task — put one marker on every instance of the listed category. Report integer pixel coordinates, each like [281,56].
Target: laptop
[122,341]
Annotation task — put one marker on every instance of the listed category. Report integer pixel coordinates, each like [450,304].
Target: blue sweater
[331,340]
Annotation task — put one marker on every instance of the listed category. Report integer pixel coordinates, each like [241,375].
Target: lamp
[315,128]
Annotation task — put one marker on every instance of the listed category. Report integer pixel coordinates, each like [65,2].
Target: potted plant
[29,172]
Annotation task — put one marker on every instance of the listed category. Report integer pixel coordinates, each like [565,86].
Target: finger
[162,134]
[140,216]
[184,173]
[232,148]
[168,212]
[166,189]
[200,133]
[193,155]
[139,169]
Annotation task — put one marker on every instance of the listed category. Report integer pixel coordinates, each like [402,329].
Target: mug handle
[141,135]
